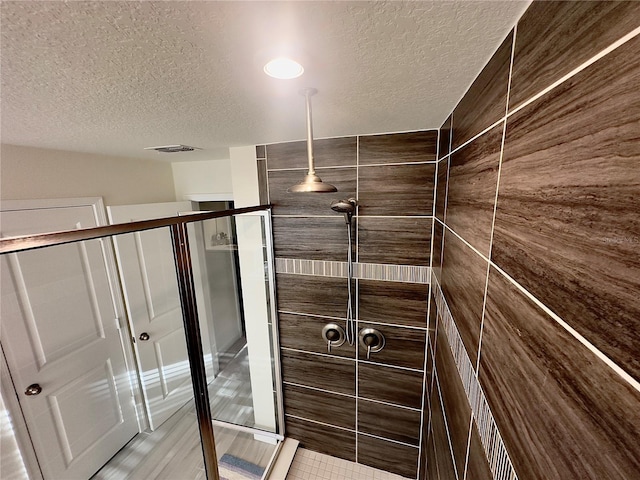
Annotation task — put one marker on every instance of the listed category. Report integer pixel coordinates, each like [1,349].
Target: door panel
[148,274]
[59,330]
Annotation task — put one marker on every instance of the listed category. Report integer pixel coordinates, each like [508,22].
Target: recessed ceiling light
[283,68]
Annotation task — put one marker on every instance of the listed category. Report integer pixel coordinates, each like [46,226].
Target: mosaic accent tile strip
[499,461]
[362,271]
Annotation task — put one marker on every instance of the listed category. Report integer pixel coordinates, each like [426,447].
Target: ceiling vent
[173,148]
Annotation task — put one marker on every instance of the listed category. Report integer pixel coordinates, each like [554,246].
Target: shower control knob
[333,334]
[371,340]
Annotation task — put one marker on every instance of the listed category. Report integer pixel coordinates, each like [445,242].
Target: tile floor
[310,465]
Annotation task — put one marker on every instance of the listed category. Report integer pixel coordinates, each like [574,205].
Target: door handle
[144,336]
[33,389]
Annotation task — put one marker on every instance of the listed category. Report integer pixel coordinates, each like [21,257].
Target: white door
[60,332]
[147,270]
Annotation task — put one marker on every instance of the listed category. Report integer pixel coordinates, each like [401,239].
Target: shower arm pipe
[307,94]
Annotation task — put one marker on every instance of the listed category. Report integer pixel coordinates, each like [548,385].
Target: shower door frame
[184,272]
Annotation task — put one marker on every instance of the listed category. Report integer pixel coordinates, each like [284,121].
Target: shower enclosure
[101,396]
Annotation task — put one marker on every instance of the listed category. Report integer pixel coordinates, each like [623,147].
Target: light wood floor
[173,451]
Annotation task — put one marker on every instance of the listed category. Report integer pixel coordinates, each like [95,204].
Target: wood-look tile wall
[536,243]
[339,402]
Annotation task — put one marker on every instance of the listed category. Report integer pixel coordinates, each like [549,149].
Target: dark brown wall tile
[323,439]
[393,302]
[322,407]
[398,147]
[473,178]
[263,193]
[314,238]
[261,151]
[444,140]
[477,465]
[456,406]
[486,100]
[404,347]
[392,385]
[305,333]
[396,189]
[438,238]
[309,294]
[443,464]
[441,188]
[394,423]
[327,373]
[430,469]
[562,412]
[328,152]
[389,456]
[394,240]
[433,319]
[567,225]
[555,37]
[464,275]
[344,179]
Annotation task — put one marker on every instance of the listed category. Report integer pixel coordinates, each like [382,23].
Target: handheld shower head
[345,206]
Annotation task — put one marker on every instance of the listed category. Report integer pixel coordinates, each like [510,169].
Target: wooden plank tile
[464,274]
[261,151]
[477,465]
[456,406]
[390,422]
[314,295]
[313,238]
[320,406]
[388,384]
[305,333]
[389,456]
[562,412]
[344,179]
[441,188]
[398,147]
[486,100]
[327,152]
[323,439]
[444,465]
[444,140]
[567,225]
[438,239]
[473,178]
[328,373]
[404,347]
[394,240]
[396,189]
[393,302]
[263,193]
[554,37]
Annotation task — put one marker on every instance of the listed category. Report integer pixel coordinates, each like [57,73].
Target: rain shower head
[346,206]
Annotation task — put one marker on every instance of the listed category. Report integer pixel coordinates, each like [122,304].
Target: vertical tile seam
[446,425]
[357,322]
[266,168]
[493,223]
[428,300]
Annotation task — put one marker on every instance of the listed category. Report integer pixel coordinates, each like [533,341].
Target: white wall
[34,173]
[205,177]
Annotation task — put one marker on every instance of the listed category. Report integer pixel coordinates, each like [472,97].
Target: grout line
[411,327]
[312,315]
[495,200]
[446,424]
[355,216]
[387,439]
[288,349]
[409,369]
[319,423]
[477,135]
[578,69]
[466,462]
[318,389]
[400,164]
[413,409]
[266,171]
[305,216]
[298,169]
[578,336]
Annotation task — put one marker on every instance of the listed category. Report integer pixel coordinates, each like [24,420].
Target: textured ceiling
[115,77]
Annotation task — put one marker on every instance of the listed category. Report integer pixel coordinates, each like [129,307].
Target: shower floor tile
[310,465]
